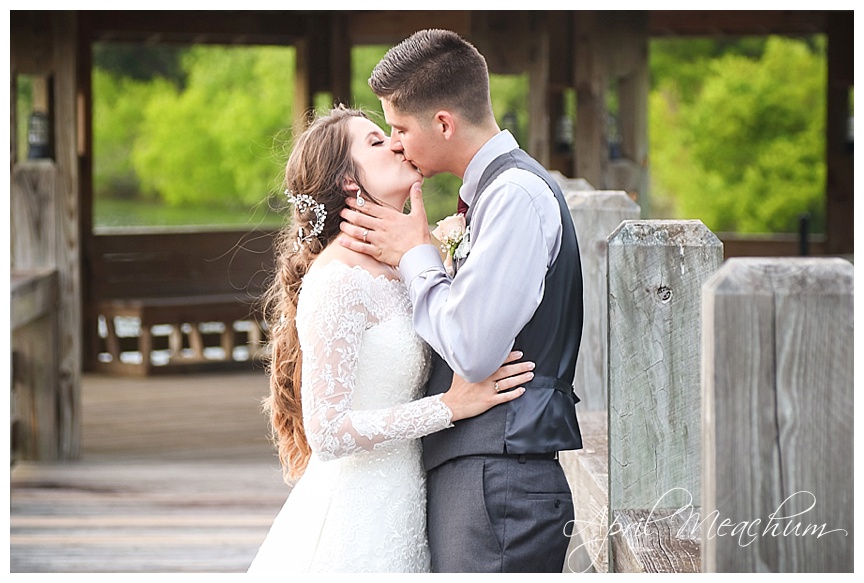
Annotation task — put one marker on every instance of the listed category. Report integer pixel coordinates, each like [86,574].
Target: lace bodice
[363,365]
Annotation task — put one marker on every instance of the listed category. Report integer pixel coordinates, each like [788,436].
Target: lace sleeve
[331,326]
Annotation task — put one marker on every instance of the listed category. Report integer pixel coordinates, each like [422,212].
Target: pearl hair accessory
[304,203]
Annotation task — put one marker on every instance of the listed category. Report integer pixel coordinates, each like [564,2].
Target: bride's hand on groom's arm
[469,399]
[383,232]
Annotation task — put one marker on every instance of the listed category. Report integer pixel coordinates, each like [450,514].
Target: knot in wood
[664,294]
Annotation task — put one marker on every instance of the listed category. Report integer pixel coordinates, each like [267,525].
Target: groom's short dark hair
[434,69]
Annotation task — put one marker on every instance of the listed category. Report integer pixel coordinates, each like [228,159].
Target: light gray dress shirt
[472,319]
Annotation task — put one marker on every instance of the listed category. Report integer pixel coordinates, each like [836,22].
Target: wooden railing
[180,279]
[716,411]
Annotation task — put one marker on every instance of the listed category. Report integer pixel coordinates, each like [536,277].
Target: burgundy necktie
[463,207]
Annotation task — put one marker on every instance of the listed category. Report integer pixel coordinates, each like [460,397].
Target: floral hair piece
[304,203]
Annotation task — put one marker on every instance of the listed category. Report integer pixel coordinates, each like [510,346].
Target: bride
[347,370]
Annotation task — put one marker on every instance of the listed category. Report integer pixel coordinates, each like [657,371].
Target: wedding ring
[365,232]
[496,387]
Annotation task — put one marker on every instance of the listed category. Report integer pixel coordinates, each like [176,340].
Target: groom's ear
[445,124]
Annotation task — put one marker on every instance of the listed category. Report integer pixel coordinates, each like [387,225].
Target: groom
[498,500]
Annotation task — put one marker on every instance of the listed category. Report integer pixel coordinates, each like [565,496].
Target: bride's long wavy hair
[319,163]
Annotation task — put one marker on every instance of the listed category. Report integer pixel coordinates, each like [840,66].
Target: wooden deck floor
[176,475]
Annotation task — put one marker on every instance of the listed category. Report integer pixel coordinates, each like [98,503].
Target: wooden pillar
[629,172]
[839,223]
[777,381]
[69,242]
[303,96]
[45,230]
[540,128]
[550,71]
[340,59]
[656,270]
[590,78]
[323,64]
[611,54]
[84,124]
[596,214]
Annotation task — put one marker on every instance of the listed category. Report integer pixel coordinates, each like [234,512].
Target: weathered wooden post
[777,400]
[45,229]
[596,214]
[655,274]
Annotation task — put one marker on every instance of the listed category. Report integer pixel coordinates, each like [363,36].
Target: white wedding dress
[361,504]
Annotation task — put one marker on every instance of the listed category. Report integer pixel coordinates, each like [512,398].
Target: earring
[360,200]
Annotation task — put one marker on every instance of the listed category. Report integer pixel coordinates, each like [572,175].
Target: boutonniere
[454,237]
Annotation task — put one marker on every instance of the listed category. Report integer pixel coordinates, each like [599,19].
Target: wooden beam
[507,38]
[736,22]
[30,42]
[389,27]
[279,27]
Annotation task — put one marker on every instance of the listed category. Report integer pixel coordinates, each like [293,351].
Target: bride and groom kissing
[365,320]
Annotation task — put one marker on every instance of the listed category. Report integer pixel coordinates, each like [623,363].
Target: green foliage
[744,149]
[363,60]
[683,63]
[118,105]
[23,107]
[510,104]
[142,62]
[214,141]
[736,130]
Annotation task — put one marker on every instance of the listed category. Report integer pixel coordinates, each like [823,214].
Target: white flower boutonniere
[455,241]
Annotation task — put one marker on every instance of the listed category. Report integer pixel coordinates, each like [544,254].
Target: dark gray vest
[543,420]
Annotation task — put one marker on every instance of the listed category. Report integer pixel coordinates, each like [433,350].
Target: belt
[522,457]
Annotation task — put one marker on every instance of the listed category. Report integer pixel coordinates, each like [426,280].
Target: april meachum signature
[778,523]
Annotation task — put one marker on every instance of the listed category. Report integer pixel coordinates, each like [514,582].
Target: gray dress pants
[498,514]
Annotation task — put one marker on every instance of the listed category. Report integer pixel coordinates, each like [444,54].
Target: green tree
[745,152]
[118,105]
[142,62]
[211,125]
[220,139]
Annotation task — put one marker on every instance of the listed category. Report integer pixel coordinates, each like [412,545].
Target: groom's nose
[396,144]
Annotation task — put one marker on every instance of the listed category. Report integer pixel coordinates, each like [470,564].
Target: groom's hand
[384,233]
